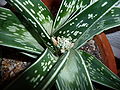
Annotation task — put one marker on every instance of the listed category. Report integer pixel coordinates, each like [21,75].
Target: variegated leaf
[51,76]
[33,75]
[36,13]
[84,20]
[74,75]
[14,34]
[81,5]
[110,20]
[67,8]
[99,73]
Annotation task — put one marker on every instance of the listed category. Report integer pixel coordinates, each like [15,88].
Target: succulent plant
[55,43]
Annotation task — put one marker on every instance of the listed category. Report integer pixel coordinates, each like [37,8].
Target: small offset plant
[55,43]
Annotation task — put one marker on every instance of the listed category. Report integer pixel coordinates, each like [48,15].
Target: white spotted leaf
[67,8]
[38,15]
[74,75]
[108,21]
[84,20]
[13,34]
[99,73]
[52,75]
[33,75]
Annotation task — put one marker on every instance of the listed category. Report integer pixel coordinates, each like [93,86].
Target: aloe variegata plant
[55,43]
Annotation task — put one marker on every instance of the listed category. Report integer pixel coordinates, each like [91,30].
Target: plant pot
[106,51]
[48,3]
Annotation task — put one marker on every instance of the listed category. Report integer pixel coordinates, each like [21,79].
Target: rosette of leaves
[55,43]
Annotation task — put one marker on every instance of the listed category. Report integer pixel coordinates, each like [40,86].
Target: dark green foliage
[77,21]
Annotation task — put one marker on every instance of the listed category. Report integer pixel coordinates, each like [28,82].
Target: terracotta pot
[101,41]
[106,51]
[48,3]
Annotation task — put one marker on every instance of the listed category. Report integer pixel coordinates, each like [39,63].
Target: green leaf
[110,20]
[37,14]
[81,5]
[33,75]
[74,75]
[31,30]
[34,56]
[99,73]
[67,8]
[14,34]
[84,20]
[51,76]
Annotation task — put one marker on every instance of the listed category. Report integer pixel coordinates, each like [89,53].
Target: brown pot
[48,3]
[106,51]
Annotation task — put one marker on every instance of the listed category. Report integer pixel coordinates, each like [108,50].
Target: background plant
[55,43]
